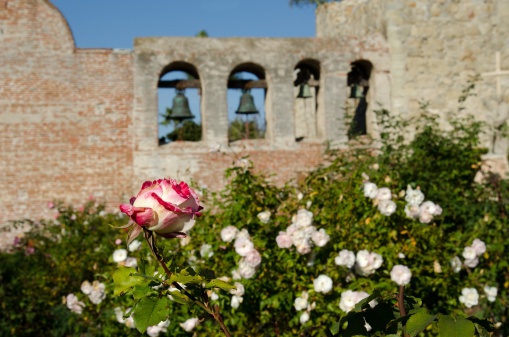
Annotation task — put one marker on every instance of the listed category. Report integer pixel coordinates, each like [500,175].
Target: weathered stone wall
[434,47]
[214,60]
[65,115]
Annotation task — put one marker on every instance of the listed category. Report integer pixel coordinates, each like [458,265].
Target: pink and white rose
[164,207]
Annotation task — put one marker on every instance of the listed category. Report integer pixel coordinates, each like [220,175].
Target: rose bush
[322,251]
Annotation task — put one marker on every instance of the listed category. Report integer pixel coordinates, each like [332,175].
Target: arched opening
[179,104]
[306,83]
[247,89]
[358,82]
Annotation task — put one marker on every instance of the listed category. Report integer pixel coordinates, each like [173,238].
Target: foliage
[187,130]
[385,318]
[444,164]
[51,261]
[237,130]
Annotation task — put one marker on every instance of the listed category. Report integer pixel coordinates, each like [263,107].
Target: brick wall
[65,115]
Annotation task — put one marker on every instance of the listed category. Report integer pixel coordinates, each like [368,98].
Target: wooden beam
[232,84]
[246,84]
[179,84]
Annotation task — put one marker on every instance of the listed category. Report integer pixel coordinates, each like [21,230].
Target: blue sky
[115,24]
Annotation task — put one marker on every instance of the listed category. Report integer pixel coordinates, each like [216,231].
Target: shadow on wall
[358,81]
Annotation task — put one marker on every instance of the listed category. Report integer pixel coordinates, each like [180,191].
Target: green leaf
[418,322]
[178,297]
[482,326]
[142,290]
[185,277]
[220,284]
[207,274]
[365,302]
[335,328]
[124,279]
[150,311]
[380,316]
[451,326]
[355,326]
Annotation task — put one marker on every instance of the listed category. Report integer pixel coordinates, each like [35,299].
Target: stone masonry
[76,123]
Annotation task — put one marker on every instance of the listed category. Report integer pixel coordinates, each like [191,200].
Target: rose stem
[215,314]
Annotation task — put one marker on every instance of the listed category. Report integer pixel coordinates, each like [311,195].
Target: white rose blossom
[455,264]
[253,258]
[320,237]
[367,262]
[243,246]
[119,255]
[239,289]
[284,240]
[479,247]
[322,284]
[469,253]
[303,218]
[131,262]
[190,324]
[384,193]
[97,294]
[236,275]
[243,234]
[86,287]
[73,304]
[412,196]
[119,314]
[264,217]
[213,296]
[412,211]
[300,303]
[229,233]
[401,275]
[135,245]
[236,300]
[469,297]
[206,251]
[345,258]
[370,190]
[304,317]
[491,293]
[245,270]
[387,207]
[155,330]
[350,298]
[425,217]
[471,263]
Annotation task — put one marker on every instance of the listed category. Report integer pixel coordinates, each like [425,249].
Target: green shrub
[440,164]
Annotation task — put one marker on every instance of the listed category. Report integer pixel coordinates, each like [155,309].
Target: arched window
[179,101]
[358,82]
[306,82]
[247,89]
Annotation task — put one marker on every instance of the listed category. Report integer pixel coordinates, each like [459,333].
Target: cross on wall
[497,73]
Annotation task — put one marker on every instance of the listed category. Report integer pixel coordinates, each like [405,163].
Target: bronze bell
[180,108]
[356,91]
[246,106]
[304,91]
